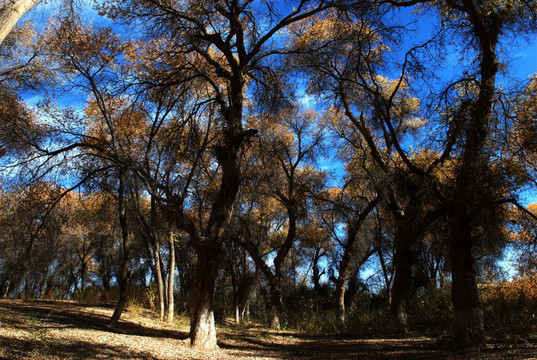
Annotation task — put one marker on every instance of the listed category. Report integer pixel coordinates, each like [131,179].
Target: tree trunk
[6,291]
[171,279]
[158,277]
[42,283]
[402,261]
[344,272]
[202,329]
[246,288]
[469,326]
[123,288]
[235,292]
[11,14]
[275,304]
[471,191]
[156,254]
[124,272]
[387,279]
[341,320]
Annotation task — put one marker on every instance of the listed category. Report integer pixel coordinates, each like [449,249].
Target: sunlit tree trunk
[11,12]
[202,327]
[341,319]
[6,289]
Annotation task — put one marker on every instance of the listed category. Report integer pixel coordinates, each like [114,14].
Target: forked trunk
[202,328]
[469,326]
[344,272]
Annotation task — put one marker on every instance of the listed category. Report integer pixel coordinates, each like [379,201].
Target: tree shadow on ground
[77,350]
[347,346]
[70,316]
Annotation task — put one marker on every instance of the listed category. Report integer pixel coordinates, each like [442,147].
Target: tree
[375,116]
[287,143]
[473,191]
[350,208]
[226,48]
[32,220]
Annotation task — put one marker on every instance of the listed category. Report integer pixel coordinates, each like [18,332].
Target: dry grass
[52,330]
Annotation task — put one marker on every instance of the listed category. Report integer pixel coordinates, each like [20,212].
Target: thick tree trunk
[202,328]
[402,262]
[471,190]
[171,279]
[275,304]
[469,328]
[11,14]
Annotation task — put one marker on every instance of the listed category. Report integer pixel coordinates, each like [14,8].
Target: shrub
[430,311]
[511,309]
[304,312]
[368,315]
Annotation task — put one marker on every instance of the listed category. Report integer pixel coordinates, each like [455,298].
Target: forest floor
[53,330]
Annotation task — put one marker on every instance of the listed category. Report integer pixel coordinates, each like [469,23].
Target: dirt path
[64,330]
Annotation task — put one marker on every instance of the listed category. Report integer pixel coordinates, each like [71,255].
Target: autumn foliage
[511,309]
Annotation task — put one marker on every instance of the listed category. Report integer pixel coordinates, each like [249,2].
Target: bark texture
[202,329]
[11,13]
